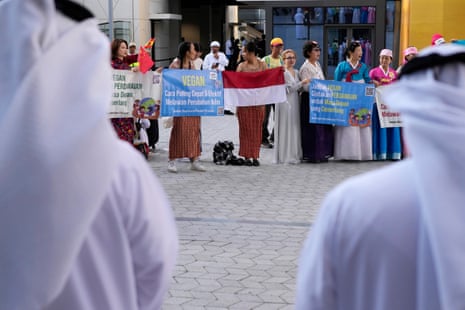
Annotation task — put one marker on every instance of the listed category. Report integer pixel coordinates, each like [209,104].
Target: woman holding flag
[250,117]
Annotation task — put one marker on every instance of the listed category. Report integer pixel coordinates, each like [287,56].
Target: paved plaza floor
[241,228]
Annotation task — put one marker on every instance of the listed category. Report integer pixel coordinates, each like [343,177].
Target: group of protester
[294,138]
[319,142]
[90,226]
[297,139]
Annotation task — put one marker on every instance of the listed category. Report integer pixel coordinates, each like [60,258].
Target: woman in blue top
[353,142]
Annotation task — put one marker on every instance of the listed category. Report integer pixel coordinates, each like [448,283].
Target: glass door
[336,39]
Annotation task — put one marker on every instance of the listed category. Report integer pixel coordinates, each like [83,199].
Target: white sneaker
[172,166]
[196,166]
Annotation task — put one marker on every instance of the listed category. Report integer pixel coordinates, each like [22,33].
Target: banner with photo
[387,118]
[341,103]
[192,93]
[132,89]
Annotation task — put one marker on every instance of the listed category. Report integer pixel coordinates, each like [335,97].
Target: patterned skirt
[250,130]
[124,128]
[185,137]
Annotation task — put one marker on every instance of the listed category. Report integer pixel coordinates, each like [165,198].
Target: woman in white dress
[288,147]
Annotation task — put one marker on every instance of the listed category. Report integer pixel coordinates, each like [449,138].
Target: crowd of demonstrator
[293,137]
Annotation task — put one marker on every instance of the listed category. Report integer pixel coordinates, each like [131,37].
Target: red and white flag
[253,88]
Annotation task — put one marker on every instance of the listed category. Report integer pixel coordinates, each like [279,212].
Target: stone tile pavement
[241,228]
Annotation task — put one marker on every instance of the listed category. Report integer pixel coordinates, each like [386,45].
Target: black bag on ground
[223,154]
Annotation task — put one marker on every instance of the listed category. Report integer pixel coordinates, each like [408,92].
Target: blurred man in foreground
[84,223]
[393,238]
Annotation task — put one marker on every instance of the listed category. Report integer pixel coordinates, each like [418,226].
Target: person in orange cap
[273,60]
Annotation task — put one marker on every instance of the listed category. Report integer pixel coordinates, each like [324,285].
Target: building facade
[141,20]
[377,24]
[333,24]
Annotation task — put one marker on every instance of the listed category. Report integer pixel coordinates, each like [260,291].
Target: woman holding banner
[386,141]
[352,142]
[288,147]
[317,139]
[250,117]
[185,133]
[124,126]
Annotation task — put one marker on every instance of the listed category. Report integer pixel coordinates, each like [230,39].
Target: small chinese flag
[149,43]
[145,61]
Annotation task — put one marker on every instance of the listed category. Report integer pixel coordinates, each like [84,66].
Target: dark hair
[197,47]
[351,48]
[308,47]
[183,48]
[251,47]
[115,47]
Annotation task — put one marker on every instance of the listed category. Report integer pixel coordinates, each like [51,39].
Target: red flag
[149,43]
[254,88]
[145,61]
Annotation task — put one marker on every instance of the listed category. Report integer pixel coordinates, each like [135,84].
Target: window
[393,28]
[121,30]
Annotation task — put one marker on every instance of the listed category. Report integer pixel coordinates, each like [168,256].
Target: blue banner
[192,93]
[341,103]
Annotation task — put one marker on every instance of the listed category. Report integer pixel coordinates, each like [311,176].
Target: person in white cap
[394,238]
[84,223]
[387,144]
[132,54]
[215,60]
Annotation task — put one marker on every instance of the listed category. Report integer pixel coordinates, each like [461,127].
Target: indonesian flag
[254,88]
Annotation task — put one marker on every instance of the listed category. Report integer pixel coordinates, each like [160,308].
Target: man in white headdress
[394,238]
[84,224]
[215,60]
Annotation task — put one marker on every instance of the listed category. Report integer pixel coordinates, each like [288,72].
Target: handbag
[167,122]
